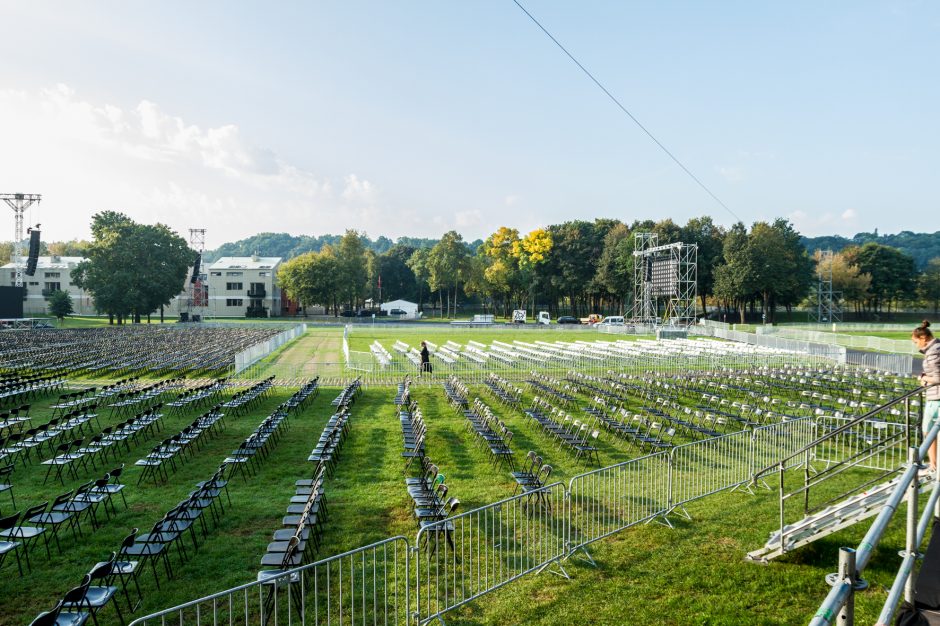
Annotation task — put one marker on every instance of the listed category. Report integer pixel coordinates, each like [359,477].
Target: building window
[262,273]
[233,286]
[34,284]
[50,287]
[216,273]
[233,302]
[52,274]
[234,273]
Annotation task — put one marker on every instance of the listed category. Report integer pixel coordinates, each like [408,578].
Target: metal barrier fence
[607,500]
[465,556]
[859,442]
[368,585]
[860,342]
[260,350]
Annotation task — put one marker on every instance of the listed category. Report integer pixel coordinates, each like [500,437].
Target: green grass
[693,574]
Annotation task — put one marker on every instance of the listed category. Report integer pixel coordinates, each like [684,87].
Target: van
[612,320]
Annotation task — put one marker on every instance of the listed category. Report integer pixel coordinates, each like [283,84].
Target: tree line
[576,267]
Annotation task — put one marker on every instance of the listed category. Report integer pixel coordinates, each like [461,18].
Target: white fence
[260,350]
[859,342]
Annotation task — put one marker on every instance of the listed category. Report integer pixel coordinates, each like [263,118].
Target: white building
[53,273]
[408,310]
[240,286]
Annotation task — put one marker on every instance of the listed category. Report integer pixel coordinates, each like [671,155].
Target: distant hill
[288,246]
[921,246]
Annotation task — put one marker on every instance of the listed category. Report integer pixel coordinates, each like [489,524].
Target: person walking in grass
[425,358]
[930,347]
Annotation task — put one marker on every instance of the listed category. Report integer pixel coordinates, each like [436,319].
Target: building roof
[399,304]
[246,263]
[51,263]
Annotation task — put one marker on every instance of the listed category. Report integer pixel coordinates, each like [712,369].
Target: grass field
[692,574]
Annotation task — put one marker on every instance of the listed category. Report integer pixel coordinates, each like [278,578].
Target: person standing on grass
[425,358]
[930,347]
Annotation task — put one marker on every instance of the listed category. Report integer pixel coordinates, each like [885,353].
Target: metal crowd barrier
[368,585]
[467,555]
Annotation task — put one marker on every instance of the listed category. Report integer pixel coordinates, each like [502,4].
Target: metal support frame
[677,300]
[19,202]
[197,242]
[827,310]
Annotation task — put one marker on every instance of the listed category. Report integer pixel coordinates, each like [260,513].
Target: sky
[412,118]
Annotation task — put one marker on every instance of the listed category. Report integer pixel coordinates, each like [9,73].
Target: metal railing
[463,557]
[839,606]
[468,555]
[368,585]
[255,353]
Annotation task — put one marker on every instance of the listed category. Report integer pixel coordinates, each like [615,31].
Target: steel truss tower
[665,279]
[827,310]
[198,296]
[19,202]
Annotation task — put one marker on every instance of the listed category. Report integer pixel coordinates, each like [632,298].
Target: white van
[612,320]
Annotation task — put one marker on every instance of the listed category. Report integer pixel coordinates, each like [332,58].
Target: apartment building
[53,273]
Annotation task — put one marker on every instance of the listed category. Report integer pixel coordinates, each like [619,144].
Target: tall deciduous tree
[132,269]
[892,273]
[928,284]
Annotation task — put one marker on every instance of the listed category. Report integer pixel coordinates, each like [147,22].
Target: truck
[519,317]
[592,319]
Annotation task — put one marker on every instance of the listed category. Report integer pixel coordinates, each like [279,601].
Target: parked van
[612,320]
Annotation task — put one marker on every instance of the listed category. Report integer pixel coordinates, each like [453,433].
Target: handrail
[843,428]
[845,583]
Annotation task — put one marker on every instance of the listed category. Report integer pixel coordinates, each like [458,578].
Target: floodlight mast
[19,202]
[197,296]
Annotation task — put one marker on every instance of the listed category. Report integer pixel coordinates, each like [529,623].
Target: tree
[893,277]
[847,279]
[709,238]
[734,283]
[60,304]
[132,269]
[928,284]
[446,263]
[418,263]
[615,268]
[352,267]
[312,278]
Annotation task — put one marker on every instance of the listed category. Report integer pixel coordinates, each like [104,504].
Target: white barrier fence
[466,556]
[258,351]
[859,342]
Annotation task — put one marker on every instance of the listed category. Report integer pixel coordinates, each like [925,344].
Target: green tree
[132,269]
[709,237]
[734,279]
[446,264]
[60,304]
[418,264]
[893,276]
[928,284]
[352,268]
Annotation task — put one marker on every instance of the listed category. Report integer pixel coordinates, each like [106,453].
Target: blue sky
[411,118]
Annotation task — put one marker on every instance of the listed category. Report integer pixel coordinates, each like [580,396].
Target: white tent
[409,309]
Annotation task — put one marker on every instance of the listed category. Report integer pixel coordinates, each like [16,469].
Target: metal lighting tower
[668,273]
[198,297]
[19,202]
[827,300]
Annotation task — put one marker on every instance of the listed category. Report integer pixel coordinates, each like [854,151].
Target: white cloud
[86,157]
[731,173]
[849,214]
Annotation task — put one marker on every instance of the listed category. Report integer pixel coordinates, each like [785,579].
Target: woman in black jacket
[425,358]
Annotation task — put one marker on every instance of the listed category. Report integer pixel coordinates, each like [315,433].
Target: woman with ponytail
[930,347]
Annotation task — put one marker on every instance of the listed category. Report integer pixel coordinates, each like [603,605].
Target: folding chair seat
[151,547]
[61,460]
[9,530]
[74,602]
[54,518]
[122,568]
[55,617]
[98,596]
[6,486]
[10,546]
[76,505]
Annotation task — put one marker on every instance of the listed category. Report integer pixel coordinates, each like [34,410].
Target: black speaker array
[196,265]
[33,257]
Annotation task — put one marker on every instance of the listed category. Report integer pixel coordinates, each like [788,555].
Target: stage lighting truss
[665,282]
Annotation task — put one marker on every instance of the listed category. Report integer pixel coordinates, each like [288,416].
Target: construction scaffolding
[198,285]
[665,282]
[828,310]
[19,202]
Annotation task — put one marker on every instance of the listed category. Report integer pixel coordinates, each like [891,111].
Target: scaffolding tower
[828,310]
[198,288]
[19,202]
[665,282]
